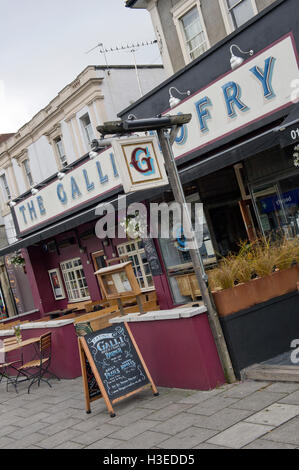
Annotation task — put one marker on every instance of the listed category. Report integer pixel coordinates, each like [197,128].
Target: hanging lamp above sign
[140,163]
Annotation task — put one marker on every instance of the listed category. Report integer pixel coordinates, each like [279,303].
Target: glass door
[270,209]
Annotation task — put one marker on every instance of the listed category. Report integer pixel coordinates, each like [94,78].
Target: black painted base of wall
[262,331]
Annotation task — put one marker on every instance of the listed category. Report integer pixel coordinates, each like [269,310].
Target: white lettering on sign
[88,181]
[261,86]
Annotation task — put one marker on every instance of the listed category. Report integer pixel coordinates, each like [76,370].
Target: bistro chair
[41,364]
[4,367]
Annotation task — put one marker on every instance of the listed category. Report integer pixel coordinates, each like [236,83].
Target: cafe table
[14,347]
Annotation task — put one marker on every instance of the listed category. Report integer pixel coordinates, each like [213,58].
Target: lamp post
[166,139]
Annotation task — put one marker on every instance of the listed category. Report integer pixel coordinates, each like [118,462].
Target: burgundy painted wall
[39,262]
[180,353]
[65,362]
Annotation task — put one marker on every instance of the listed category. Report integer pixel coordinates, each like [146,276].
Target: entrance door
[270,210]
[246,211]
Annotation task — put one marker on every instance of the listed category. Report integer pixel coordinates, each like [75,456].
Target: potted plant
[260,271]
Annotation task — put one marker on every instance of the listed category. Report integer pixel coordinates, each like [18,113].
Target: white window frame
[67,281]
[62,158]
[85,133]
[5,187]
[228,22]
[178,12]
[124,257]
[27,172]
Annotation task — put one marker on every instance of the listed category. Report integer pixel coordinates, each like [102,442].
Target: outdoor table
[15,347]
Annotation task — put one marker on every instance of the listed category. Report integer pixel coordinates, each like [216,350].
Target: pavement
[247,415]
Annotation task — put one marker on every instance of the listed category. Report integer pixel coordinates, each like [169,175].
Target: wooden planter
[256,291]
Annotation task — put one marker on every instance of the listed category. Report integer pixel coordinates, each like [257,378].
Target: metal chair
[4,367]
[41,364]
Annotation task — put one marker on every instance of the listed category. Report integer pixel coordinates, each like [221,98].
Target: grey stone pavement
[250,415]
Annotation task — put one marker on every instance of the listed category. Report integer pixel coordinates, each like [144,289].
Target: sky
[43,47]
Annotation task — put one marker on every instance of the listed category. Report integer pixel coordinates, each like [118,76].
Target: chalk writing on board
[116,360]
[152,256]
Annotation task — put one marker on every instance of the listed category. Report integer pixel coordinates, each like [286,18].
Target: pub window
[74,279]
[87,128]
[134,251]
[194,33]
[240,11]
[60,152]
[27,172]
[5,187]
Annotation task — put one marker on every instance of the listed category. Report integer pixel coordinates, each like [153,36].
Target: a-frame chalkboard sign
[112,366]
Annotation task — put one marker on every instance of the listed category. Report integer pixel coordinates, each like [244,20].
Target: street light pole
[176,186]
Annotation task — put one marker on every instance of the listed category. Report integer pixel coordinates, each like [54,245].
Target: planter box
[258,290]
[263,331]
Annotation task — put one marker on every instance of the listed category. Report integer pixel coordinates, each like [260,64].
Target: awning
[288,131]
[231,156]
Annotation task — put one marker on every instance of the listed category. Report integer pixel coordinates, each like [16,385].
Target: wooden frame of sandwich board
[85,354]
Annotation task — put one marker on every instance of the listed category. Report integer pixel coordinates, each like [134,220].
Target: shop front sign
[140,163]
[260,87]
[78,187]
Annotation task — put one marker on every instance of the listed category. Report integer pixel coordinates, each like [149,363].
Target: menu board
[116,360]
[152,256]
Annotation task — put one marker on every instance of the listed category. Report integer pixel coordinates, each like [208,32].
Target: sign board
[118,281]
[116,364]
[152,256]
[290,135]
[261,86]
[140,163]
[79,186]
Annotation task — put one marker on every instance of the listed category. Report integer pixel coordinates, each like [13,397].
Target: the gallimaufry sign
[261,86]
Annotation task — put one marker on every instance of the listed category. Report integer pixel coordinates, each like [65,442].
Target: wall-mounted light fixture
[97,145]
[60,175]
[34,191]
[236,61]
[173,101]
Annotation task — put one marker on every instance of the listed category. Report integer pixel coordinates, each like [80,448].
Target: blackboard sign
[117,361]
[93,388]
[152,256]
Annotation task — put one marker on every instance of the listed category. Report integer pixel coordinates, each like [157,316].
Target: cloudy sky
[43,47]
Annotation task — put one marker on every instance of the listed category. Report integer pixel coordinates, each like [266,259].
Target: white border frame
[226,15]
[180,10]
[57,272]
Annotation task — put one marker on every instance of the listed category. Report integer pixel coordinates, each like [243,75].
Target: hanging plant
[296,155]
[17,260]
[135,226]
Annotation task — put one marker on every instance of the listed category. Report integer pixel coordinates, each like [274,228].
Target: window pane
[194,33]
[242,12]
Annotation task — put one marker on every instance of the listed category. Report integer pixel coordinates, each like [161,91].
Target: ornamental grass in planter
[260,271]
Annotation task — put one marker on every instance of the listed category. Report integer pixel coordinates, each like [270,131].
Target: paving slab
[291,399]
[275,415]
[211,406]
[258,400]
[221,420]
[187,439]
[240,435]
[264,444]
[288,433]
[146,440]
